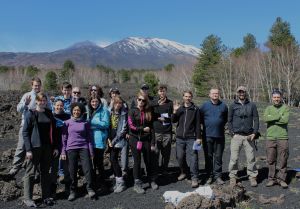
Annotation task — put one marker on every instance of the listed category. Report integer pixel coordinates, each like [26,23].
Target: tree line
[276,65]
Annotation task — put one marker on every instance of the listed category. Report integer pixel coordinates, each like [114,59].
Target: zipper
[184,123]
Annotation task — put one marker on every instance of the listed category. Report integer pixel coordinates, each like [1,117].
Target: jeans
[214,148]
[124,156]
[184,149]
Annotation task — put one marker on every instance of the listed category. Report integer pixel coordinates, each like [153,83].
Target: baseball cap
[145,86]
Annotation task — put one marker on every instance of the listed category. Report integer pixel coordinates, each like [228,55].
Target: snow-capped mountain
[145,45]
[132,52]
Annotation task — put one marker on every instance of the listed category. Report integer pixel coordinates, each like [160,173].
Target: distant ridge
[131,52]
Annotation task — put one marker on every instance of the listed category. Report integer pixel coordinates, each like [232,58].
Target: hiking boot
[154,185]
[138,187]
[195,183]
[72,196]
[219,181]
[29,203]
[270,183]
[48,201]
[120,185]
[209,180]
[181,177]
[283,184]
[253,182]
[232,182]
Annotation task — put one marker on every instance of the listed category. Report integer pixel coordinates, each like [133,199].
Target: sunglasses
[141,100]
[76,92]
[94,90]
[145,88]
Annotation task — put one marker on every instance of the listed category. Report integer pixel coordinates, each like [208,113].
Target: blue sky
[48,25]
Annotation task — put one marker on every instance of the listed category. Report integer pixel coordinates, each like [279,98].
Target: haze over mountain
[132,52]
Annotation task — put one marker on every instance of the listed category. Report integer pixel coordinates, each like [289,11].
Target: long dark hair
[91,109]
[147,109]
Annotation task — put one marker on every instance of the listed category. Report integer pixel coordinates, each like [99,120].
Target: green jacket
[277,118]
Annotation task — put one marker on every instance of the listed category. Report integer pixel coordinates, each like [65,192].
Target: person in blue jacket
[99,118]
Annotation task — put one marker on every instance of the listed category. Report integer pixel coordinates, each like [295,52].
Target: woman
[141,141]
[117,139]
[76,141]
[99,120]
[39,134]
[58,166]
[96,91]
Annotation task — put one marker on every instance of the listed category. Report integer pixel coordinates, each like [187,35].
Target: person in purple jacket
[76,144]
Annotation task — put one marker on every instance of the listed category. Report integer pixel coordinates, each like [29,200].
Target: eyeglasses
[141,100]
[76,92]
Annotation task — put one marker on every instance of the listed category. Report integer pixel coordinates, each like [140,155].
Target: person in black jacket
[140,121]
[162,126]
[40,141]
[243,125]
[188,134]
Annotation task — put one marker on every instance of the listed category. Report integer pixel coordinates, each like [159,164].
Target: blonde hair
[146,106]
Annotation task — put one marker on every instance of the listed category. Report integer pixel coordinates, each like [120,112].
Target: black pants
[84,156]
[114,159]
[137,155]
[213,152]
[98,161]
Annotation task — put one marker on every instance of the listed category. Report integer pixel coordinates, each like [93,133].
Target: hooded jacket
[188,122]
[99,121]
[119,138]
[243,119]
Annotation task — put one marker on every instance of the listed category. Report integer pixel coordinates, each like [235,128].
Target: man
[66,97]
[76,93]
[214,115]
[277,116]
[162,111]
[188,133]
[26,103]
[243,124]
[145,91]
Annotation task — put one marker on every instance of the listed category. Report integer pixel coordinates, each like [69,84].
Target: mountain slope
[132,52]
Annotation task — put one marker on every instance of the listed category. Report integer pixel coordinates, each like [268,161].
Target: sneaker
[270,183]
[181,177]
[232,182]
[48,201]
[283,184]
[219,181]
[72,196]
[154,185]
[138,187]
[195,183]
[29,203]
[253,182]
[209,180]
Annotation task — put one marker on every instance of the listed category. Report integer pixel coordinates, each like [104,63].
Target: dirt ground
[278,197]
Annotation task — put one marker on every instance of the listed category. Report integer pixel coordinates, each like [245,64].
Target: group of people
[60,134]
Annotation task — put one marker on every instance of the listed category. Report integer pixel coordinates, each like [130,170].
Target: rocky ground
[259,197]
